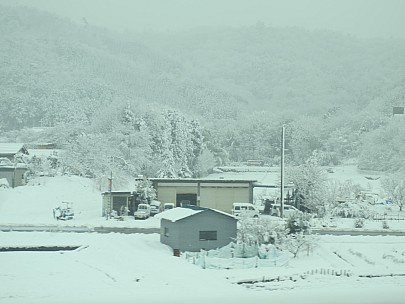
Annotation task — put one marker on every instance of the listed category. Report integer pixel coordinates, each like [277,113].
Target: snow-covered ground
[128,268]
[121,268]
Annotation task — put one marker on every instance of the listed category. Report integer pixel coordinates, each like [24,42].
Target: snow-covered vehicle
[143,211]
[168,206]
[155,207]
[64,212]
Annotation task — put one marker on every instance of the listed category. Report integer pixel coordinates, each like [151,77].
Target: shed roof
[201,180]
[12,148]
[176,214]
[179,213]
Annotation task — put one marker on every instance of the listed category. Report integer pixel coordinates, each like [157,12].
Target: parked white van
[240,210]
[288,210]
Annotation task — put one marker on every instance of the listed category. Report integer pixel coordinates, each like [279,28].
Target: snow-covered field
[128,268]
[120,268]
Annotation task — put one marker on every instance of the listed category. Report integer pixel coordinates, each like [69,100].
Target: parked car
[240,210]
[185,203]
[155,207]
[288,210]
[143,211]
[168,206]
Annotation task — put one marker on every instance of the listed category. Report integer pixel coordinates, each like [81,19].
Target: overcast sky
[363,18]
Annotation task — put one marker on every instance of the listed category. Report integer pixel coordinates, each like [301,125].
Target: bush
[352,209]
[359,223]
[298,222]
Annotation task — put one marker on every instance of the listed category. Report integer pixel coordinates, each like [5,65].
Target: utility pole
[282,174]
[109,209]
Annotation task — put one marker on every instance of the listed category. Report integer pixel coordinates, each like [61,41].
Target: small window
[166,233]
[208,235]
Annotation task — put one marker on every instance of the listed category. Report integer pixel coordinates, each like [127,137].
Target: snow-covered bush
[255,236]
[359,223]
[295,243]
[253,231]
[352,209]
[298,222]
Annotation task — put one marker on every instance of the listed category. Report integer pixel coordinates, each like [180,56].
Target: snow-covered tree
[144,191]
[310,183]
[296,243]
[167,165]
[394,186]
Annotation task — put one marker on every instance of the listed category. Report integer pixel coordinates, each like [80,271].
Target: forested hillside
[235,87]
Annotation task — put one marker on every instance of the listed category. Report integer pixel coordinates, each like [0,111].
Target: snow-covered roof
[201,180]
[45,152]
[179,213]
[224,213]
[11,148]
[176,214]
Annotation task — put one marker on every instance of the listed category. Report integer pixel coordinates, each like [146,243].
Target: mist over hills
[57,72]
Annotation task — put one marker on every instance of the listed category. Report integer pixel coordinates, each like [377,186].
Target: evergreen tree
[144,191]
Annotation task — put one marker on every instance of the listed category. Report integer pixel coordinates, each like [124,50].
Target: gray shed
[186,229]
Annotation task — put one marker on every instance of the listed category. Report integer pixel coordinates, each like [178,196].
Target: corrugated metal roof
[10,148]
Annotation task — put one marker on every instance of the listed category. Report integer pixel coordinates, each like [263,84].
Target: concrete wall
[184,234]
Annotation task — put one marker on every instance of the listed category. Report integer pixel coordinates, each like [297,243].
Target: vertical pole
[282,174]
[13,181]
[110,198]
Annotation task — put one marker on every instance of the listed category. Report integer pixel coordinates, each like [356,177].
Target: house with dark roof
[193,229]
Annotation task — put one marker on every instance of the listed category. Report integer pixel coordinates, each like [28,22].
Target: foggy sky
[362,18]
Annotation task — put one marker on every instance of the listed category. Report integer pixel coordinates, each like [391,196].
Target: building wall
[173,238]
[18,176]
[117,201]
[167,193]
[184,234]
[223,198]
[218,196]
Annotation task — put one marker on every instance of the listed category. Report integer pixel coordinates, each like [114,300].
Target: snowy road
[148,230]
[80,229]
